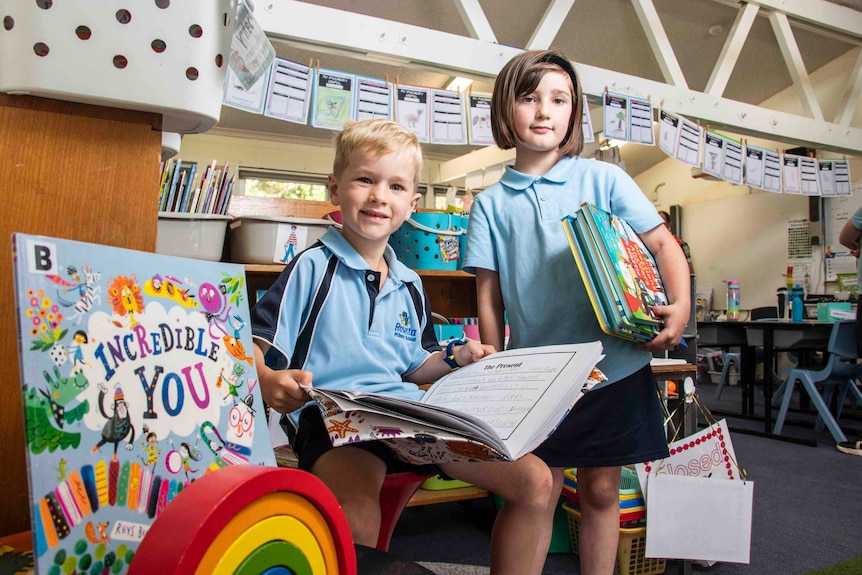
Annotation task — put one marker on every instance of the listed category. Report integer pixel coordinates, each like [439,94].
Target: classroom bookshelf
[451,293]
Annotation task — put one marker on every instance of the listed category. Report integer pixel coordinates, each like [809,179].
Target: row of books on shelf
[184,189]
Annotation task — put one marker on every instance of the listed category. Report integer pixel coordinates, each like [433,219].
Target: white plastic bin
[154,56]
[267,239]
[196,236]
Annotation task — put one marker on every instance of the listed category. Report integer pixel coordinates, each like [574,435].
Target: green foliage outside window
[285,189]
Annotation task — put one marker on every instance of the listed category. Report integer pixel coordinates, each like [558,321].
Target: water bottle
[797,306]
[732,300]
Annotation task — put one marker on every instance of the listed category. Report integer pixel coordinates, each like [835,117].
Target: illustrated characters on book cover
[635,272]
[137,380]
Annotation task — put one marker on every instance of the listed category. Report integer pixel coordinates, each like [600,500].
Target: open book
[498,408]
[619,272]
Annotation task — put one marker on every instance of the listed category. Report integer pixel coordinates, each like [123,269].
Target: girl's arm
[677,283]
[489,297]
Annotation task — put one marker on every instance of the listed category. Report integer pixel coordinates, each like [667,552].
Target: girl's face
[542,117]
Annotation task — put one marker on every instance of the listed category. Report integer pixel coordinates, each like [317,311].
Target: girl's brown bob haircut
[521,75]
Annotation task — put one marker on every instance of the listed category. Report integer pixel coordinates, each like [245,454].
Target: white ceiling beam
[316,27]
[795,65]
[659,43]
[819,12]
[550,24]
[476,161]
[731,50]
[851,94]
[474,18]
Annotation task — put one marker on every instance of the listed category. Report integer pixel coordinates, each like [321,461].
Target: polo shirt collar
[558,174]
[346,253]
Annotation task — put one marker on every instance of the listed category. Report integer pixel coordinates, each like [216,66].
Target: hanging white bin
[163,56]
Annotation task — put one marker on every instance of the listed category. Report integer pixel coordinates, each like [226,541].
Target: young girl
[524,266]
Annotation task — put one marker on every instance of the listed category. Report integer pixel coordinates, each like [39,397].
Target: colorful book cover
[608,307]
[623,272]
[138,378]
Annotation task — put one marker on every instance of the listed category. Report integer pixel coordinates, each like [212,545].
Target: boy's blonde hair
[376,138]
[520,76]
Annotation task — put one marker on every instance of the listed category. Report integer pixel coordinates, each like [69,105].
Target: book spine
[173,189]
[167,172]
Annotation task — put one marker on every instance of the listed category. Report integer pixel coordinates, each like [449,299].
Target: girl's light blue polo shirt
[515,229]
[324,314]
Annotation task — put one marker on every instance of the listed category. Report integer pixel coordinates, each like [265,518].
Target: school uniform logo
[403,329]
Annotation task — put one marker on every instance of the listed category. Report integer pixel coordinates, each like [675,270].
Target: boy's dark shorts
[312,440]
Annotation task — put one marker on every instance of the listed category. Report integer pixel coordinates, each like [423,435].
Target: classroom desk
[771,335]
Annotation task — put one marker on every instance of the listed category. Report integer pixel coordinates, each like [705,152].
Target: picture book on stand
[619,272]
[497,408]
[137,379]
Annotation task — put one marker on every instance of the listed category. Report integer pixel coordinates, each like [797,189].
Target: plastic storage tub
[197,236]
[267,239]
[430,241]
[631,549]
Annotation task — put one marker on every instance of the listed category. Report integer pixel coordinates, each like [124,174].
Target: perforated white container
[163,56]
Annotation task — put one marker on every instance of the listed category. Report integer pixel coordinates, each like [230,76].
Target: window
[441,203]
[266,184]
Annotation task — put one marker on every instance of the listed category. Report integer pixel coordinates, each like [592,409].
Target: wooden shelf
[429,496]
[451,293]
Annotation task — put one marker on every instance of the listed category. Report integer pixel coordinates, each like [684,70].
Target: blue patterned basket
[430,241]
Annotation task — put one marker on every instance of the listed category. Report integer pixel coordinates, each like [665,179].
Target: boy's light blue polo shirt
[515,229]
[324,314]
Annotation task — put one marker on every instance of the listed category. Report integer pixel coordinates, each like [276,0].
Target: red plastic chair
[397,490]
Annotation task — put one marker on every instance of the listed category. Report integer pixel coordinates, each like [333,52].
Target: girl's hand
[472,351]
[675,319]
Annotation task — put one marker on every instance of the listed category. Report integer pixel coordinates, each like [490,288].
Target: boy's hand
[675,318]
[281,389]
[472,351]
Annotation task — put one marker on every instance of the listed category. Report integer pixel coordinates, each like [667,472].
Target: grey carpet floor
[807,507]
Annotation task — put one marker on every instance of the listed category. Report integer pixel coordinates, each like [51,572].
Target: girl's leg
[355,477]
[598,488]
[521,535]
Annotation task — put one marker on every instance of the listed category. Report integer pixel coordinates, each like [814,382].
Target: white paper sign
[714,526]
[707,453]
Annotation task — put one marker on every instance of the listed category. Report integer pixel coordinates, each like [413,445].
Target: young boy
[336,316]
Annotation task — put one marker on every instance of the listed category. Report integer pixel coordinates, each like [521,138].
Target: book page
[518,391]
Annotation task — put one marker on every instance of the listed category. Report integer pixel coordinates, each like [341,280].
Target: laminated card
[137,379]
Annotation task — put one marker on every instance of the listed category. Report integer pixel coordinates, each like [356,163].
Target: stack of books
[619,273]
